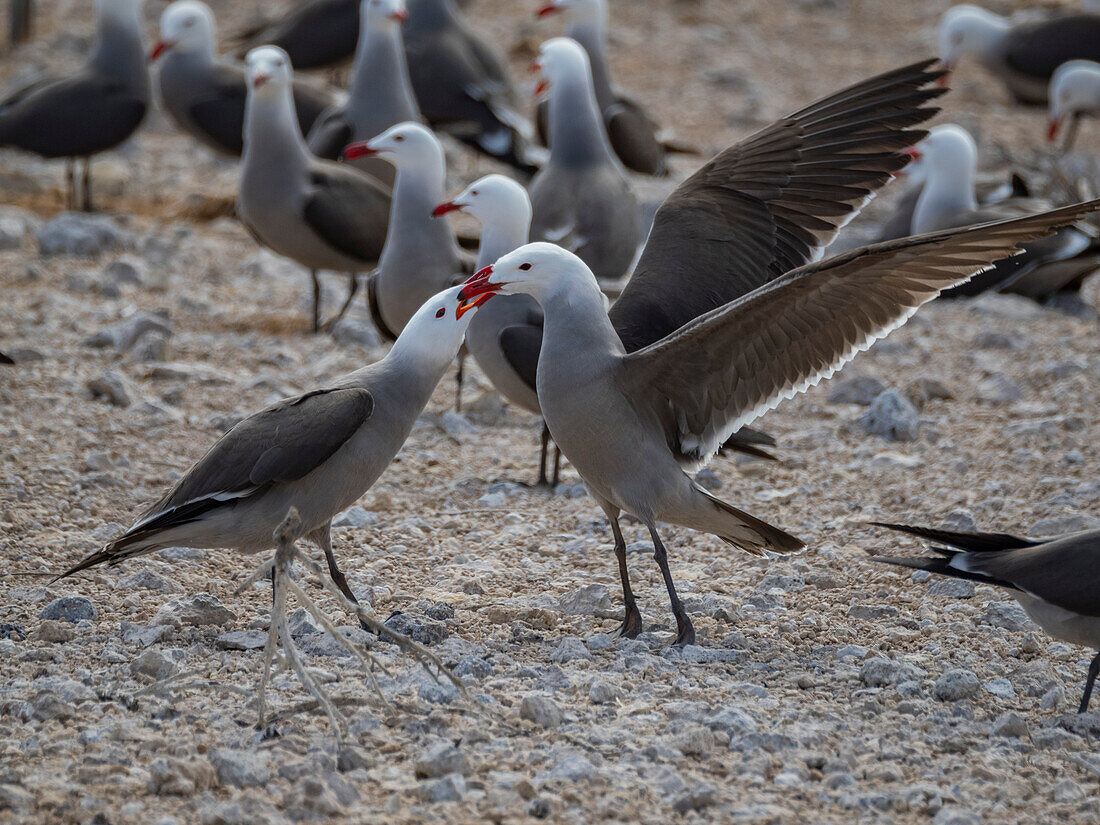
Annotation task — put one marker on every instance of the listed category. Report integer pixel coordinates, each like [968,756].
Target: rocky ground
[824,688]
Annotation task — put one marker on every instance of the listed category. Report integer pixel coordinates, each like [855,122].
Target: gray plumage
[1056,580]
[322,215]
[93,110]
[380,94]
[900,222]
[317,452]
[204,94]
[582,199]
[1074,95]
[314,33]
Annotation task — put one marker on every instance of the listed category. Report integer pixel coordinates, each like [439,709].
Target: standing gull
[204,94]
[91,111]
[315,33]
[322,215]
[1056,580]
[380,94]
[1023,56]
[318,452]
[582,199]
[632,133]
[1074,94]
[755,217]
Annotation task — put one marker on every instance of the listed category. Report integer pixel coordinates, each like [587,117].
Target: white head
[1074,89]
[948,152]
[559,59]
[186,26]
[592,12]
[383,13]
[969,30]
[406,145]
[535,269]
[437,329]
[268,69]
[118,11]
[494,199]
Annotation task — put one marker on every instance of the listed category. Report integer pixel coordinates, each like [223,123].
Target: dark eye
[441,312]
[474,193]
[524,267]
[399,138]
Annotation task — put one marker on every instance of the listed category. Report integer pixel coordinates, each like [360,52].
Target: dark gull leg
[70,184]
[353,290]
[1094,670]
[632,617]
[316,300]
[557,467]
[542,482]
[685,631]
[20,21]
[87,185]
[458,380]
[322,537]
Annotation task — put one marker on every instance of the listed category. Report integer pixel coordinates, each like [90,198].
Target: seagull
[318,452]
[947,159]
[582,199]
[314,33]
[380,95]
[462,85]
[88,112]
[1023,56]
[421,256]
[631,422]
[322,215]
[1074,93]
[204,94]
[1056,580]
[632,132]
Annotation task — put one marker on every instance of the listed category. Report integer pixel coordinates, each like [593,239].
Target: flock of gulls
[731,305]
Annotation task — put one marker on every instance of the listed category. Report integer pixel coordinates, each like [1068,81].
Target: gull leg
[685,631]
[322,537]
[70,184]
[316,327]
[353,290]
[632,617]
[543,482]
[1094,670]
[87,185]
[458,380]
[557,468]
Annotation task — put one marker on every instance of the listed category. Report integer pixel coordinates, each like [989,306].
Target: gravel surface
[823,689]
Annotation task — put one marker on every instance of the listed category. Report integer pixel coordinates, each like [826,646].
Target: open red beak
[1053,125]
[444,208]
[472,303]
[159,48]
[548,9]
[400,16]
[479,284]
[361,149]
[542,86]
[259,80]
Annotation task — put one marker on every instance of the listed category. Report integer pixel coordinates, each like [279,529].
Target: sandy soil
[785,712]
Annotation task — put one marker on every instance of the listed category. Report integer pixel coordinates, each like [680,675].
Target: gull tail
[743,531]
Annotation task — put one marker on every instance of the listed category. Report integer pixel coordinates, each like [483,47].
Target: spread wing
[726,368]
[772,202]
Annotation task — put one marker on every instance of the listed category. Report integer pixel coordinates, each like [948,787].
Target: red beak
[259,80]
[1053,125]
[466,305]
[548,9]
[479,285]
[542,86]
[444,208]
[913,152]
[361,149]
[400,16]
[945,78]
[159,48]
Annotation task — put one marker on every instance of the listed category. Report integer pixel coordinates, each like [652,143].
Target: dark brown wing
[634,138]
[329,134]
[728,367]
[349,211]
[1036,50]
[315,34]
[772,202]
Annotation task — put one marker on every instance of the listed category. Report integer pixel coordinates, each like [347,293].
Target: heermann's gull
[421,255]
[91,111]
[315,33]
[462,85]
[1024,55]
[1074,94]
[506,335]
[632,133]
[380,94]
[582,199]
[318,452]
[323,215]
[948,160]
[752,219]
[204,94]
[1056,580]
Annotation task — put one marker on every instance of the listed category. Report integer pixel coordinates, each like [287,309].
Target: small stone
[709,479]
[701,796]
[892,460]
[569,649]
[1060,525]
[892,416]
[241,769]
[952,815]
[420,631]
[451,788]
[589,600]
[998,389]
[72,233]
[1001,688]
[353,758]
[455,424]
[954,588]
[153,664]
[13,227]
[1010,725]
[146,579]
[882,672]
[356,332]
[602,693]
[541,710]
[69,609]
[872,612]
[301,623]
[241,640]
[1066,790]
[53,632]
[180,777]
[856,389]
[355,517]
[111,386]
[1008,615]
[200,609]
[439,759]
[959,520]
[956,685]
[126,271]
[573,767]
[144,635]
[694,740]
[1053,698]
[126,333]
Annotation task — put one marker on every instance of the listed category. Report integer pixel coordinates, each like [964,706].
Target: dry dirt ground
[824,688]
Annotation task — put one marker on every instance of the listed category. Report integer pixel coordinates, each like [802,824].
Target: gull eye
[398,138]
[441,312]
[524,267]
[473,194]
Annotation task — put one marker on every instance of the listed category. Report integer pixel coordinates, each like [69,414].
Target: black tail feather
[942,566]
[975,542]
